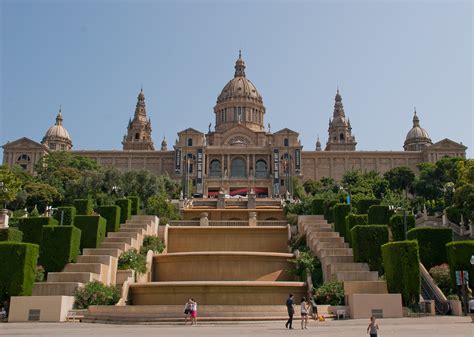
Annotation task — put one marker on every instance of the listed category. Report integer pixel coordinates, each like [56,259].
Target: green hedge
[379,214]
[18,269]
[10,234]
[317,206]
[68,213]
[135,207]
[432,243]
[125,209]
[366,244]
[60,245]
[402,270]
[329,210]
[83,206]
[459,255]
[111,213]
[363,205]
[397,227]
[340,213]
[92,228]
[353,220]
[32,228]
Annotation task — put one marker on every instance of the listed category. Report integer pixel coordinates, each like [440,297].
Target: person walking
[291,311]
[314,309]
[373,327]
[194,306]
[304,314]
[187,311]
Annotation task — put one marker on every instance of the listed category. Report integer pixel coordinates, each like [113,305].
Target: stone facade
[241,154]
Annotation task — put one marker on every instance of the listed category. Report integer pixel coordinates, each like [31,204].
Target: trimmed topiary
[125,209]
[92,228]
[18,267]
[366,244]
[459,255]
[379,214]
[32,228]
[135,207]
[60,245]
[67,213]
[432,244]
[353,220]
[340,213]
[363,205]
[397,227]
[401,262]
[317,206]
[329,210]
[111,213]
[11,235]
[83,206]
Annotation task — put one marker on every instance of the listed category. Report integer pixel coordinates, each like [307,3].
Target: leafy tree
[159,205]
[400,179]
[41,195]
[11,185]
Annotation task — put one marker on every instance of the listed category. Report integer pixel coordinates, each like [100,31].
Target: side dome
[57,137]
[417,138]
[239,102]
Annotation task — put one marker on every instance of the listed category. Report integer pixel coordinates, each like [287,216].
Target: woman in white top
[304,313]
[194,307]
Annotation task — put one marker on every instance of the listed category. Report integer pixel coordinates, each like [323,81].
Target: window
[285,142]
[137,136]
[215,169]
[237,168]
[341,136]
[261,169]
[23,157]
[190,142]
[235,114]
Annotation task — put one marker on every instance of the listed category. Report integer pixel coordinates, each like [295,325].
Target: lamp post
[3,207]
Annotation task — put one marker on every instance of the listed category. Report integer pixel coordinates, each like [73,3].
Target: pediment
[239,136]
[286,131]
[447,144]
[24,143]
[190,131]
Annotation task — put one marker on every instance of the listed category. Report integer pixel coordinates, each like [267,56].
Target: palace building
[240,154]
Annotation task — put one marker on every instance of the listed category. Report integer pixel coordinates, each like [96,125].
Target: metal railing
[431,291]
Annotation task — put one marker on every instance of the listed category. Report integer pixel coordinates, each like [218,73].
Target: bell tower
[138,135]
[340,130]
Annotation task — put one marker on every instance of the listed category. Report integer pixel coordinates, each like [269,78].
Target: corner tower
[239,102]
[138,135]
[340,130]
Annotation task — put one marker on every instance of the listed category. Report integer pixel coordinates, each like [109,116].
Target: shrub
[18,267]
[83,206]
[402,269]
[39,274]
[353,220]
[131,259]
[366,244]
[60,245]
[135,208]
[331,293]
[125,209]
[10,234]
[340,213]
[32,228]
[362,206]
[111,213]
[92,230]
[298,243]
[317,206]
[329,210]
[379,214]
[459,254]
[398,228]
[432,244]
[96,293]
[67,213]
[454,214]
[153,243]
[441,276]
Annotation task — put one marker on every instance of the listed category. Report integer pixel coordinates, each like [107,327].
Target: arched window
[190,142]
[215,169]
[261,169]
[237,168]
[137,136]
[23,157]
[341,136]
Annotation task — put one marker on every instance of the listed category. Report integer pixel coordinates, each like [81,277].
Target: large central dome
[239,102]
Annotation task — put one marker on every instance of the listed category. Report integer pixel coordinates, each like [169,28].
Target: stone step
[343,266]
[330,239]
[118,245]
[96,268]
[327,260]
[56,288]
[321,229]
[103,259]
[365,287]
[335,252]
[133,235]
[139,231]
[102,251]
[128,240]
[323,245]
[81,277]
[318,235]
[357,275]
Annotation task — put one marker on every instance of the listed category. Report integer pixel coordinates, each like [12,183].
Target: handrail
[432,290]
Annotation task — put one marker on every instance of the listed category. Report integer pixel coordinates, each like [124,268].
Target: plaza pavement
[427,326]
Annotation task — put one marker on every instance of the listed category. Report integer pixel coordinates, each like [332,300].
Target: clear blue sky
[92,57]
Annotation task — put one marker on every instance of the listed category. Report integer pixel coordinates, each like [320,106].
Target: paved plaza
[427,326]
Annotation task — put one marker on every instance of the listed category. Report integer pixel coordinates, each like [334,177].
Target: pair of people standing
[291,312]
[190,310]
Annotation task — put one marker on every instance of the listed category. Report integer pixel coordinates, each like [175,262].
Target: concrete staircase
[98,264]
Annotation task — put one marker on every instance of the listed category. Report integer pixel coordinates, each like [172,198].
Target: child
[373,327]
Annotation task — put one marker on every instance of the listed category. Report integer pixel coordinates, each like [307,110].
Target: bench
[73,315]
[341,313]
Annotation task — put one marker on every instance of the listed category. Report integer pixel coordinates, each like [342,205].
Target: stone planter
[4,218]
[456,307]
